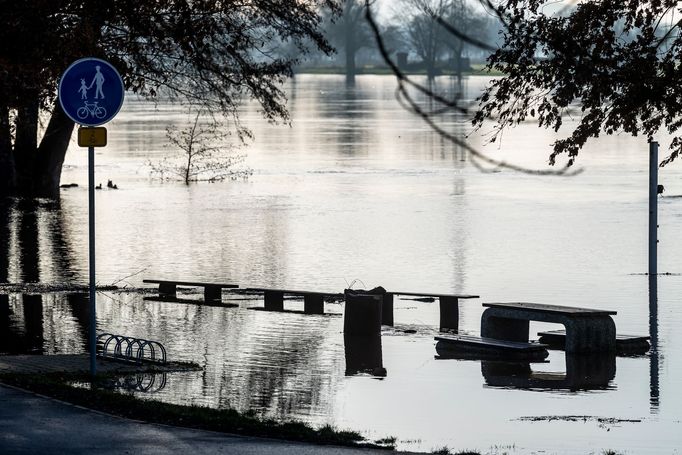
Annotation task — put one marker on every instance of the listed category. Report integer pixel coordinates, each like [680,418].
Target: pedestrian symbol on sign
[99,80]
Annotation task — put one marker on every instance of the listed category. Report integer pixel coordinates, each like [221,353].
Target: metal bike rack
[130,349]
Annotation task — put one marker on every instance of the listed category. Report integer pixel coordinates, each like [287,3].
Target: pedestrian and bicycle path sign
[91,92]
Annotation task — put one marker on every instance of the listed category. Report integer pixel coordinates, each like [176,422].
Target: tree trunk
[350,65]
[350,49]
[26,144]
[51,153]
[7,170]
[458,61]
[430,69]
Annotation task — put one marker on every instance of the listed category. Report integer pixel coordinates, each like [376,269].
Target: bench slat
[619,336]
[191,283]
[491,342]
[290,291]
[557,309]
[430,294]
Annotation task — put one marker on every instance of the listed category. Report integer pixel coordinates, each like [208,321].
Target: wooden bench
[212,291]
[313,302]
[625,344]
[473,347]
[449,307]
[587,330]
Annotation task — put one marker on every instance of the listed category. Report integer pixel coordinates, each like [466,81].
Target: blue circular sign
[91,91]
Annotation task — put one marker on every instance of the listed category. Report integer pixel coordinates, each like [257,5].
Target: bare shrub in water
[203,152]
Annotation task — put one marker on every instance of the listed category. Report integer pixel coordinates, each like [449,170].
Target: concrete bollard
[362,315]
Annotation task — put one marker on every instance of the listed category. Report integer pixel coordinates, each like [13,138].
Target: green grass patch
[445,450]
[222,420]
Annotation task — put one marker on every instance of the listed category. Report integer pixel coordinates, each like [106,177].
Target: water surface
[358,188]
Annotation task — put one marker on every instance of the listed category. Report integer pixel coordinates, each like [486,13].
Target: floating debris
[570,418]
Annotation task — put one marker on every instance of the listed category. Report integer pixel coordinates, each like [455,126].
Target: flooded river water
[358,188]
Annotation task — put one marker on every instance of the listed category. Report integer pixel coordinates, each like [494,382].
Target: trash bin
[363,311]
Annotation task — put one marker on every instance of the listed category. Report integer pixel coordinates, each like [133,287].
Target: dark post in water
[91,264]
[653,207]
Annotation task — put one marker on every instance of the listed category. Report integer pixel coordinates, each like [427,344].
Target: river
[357,188]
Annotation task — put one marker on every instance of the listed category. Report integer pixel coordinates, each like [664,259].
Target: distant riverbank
[476,70]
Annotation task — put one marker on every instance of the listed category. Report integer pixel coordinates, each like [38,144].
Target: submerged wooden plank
[619,336]
[625,344]
[477,348]
[191,283]
[431,294]
[490,342]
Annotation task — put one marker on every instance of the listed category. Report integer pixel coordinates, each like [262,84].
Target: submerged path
[34,424]
[75,363]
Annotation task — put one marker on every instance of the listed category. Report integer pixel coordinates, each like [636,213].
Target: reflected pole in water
[654,401]
[91,266]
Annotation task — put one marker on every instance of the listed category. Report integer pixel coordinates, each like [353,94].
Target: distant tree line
[413,33]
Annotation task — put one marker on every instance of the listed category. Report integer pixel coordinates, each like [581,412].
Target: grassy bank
[222,420]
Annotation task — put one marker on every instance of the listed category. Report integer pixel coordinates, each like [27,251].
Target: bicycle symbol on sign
[92,109]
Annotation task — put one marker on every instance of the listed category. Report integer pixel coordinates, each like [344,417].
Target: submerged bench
[449,307]
[473,347]
[212,291]
[625,344]
[313,302]
[587,330]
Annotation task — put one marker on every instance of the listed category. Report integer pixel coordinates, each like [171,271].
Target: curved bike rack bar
[130,349]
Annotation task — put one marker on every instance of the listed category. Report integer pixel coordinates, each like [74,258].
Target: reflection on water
[146,383]
[583,372]
[653,334]
[358,188]
[364,355]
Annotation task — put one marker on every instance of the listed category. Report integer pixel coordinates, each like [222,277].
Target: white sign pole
[653,208]
[91,238]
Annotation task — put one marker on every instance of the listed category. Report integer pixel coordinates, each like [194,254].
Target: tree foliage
[211,52]
[618,62]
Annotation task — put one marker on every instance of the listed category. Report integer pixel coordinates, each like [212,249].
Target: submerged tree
[212,52]
[350,32]
[424,32]
[204,153]
[473,22]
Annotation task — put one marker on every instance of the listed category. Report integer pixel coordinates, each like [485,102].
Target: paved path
[32,424]
[72,363]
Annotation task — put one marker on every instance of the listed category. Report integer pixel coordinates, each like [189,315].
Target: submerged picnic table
[313,302]
[587,330]
[212,291]
[449,307]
